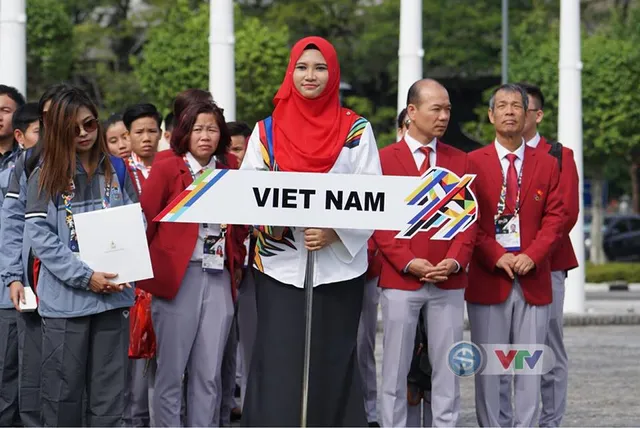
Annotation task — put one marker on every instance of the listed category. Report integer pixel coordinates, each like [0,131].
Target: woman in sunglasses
[85,325]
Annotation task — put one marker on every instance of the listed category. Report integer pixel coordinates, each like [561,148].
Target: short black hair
[12,93]
[169,122]
[534,91]
[402,117]
[511,88]
[239,128]
[137,111]
[24,116]
[112,120]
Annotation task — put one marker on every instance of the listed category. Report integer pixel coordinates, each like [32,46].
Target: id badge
[247,246]
[508,232]
[213,254]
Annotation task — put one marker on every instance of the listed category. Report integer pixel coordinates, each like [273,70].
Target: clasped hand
[427,272]
[99,283]
[515,265]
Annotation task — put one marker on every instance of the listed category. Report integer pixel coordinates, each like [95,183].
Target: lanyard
[205,226]
[67,196]
[503,193]
[134,171]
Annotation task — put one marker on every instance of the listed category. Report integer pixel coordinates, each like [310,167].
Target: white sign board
[439,199]
[114,241]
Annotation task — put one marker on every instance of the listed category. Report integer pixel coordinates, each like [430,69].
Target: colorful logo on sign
[191,194]
[446,203]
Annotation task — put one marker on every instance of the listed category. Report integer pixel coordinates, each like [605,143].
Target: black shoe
[236,415]
[374,424]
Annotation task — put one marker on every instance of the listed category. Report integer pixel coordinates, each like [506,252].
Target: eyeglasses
[88,126]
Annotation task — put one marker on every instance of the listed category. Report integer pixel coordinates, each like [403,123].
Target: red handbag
[142,339]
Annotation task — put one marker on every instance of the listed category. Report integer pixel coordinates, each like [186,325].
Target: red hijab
[309,134]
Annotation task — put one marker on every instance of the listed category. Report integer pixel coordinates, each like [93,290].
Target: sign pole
[308,289]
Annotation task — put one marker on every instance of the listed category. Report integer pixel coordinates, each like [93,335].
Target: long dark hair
[59,148]
[181,134]
[49,93]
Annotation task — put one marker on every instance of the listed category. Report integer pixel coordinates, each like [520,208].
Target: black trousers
[84,354]
[30,358]
[274,389]
[9,415]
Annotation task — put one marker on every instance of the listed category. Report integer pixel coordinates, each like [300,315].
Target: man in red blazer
[521,219]
[420,274]
[554,384]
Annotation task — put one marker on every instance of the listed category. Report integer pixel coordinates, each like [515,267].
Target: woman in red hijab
[309,132]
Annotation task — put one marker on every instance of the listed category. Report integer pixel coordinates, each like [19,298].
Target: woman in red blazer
[196,268]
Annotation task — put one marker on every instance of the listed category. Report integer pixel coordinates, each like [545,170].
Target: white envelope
[31,304]
[114,241]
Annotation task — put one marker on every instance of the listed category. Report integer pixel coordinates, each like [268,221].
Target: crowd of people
[218,333]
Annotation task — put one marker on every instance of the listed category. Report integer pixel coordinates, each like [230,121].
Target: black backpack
[555,150]
[419,378]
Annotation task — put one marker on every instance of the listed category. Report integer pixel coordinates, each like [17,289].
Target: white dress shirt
[504,162]
[534,141]
[346,258]
[418,155]
[210,229]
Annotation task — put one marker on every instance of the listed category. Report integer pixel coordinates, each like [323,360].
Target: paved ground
[604,380]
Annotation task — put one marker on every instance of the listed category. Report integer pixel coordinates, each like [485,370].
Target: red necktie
[425,163]
[512,182]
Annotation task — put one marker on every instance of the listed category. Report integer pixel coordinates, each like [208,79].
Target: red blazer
[163,154]
[171,244]
[542,217]
[397,159]
[564,258]
[375,260]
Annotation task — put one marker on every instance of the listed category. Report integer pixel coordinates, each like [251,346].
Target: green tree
[175,58]
[261,58]
[49,44]
[175,55]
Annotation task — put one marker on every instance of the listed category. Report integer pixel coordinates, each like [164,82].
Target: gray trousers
[511,322]
[191,334]
[30,358]
[444,316]
[9,414]
[247,318]
[228,375]
[553,385]
[420,415]
[139,395]
[366,347]
[81,353]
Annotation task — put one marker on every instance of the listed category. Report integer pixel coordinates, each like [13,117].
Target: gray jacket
[63,282]
[5,178]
